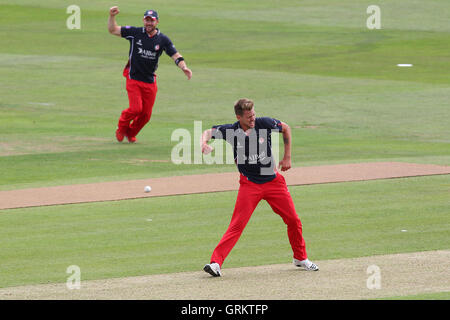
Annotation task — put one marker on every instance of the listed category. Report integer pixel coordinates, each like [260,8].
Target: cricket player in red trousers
[146,46]
[259,179]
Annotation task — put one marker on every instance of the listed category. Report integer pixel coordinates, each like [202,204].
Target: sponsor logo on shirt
[148,54]
[255,157]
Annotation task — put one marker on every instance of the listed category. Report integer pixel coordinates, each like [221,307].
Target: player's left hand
[187,72]
[284,164]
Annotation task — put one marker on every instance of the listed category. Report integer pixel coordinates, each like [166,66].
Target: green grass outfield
[312,64]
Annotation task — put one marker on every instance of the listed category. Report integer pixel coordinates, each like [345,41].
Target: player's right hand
[114,11]
[206,148]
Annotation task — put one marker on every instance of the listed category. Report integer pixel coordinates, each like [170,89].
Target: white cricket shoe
[213,269]
[306,264]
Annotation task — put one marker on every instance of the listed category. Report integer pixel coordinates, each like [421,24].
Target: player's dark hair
[243,105]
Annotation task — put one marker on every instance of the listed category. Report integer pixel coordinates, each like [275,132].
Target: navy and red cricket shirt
[252,152]
[145,51]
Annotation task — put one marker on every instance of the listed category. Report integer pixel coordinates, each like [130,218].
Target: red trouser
[141,97]
[250,194]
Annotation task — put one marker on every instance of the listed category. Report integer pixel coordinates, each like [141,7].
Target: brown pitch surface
[212,182]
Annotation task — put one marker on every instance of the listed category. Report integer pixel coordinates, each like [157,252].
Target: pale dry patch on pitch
[307,127]
[143,161]
[401,274]
[50,145]
[20,148]
[6,149]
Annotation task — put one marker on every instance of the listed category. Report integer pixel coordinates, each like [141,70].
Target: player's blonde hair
[243,105]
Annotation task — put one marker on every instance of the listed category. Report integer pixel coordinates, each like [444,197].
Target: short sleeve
[220,131]
[270,123]
[128,31]
[169,48]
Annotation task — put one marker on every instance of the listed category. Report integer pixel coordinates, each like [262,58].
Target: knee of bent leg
[133,111]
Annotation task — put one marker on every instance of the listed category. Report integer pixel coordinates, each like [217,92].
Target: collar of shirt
[157,32]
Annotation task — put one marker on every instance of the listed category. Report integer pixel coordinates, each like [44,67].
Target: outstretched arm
[182,65]
[113,28]
[285,164]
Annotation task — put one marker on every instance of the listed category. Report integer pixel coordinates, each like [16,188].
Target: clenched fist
[114,11]
[206,148]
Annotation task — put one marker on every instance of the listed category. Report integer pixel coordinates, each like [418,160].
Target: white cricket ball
[148,189]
